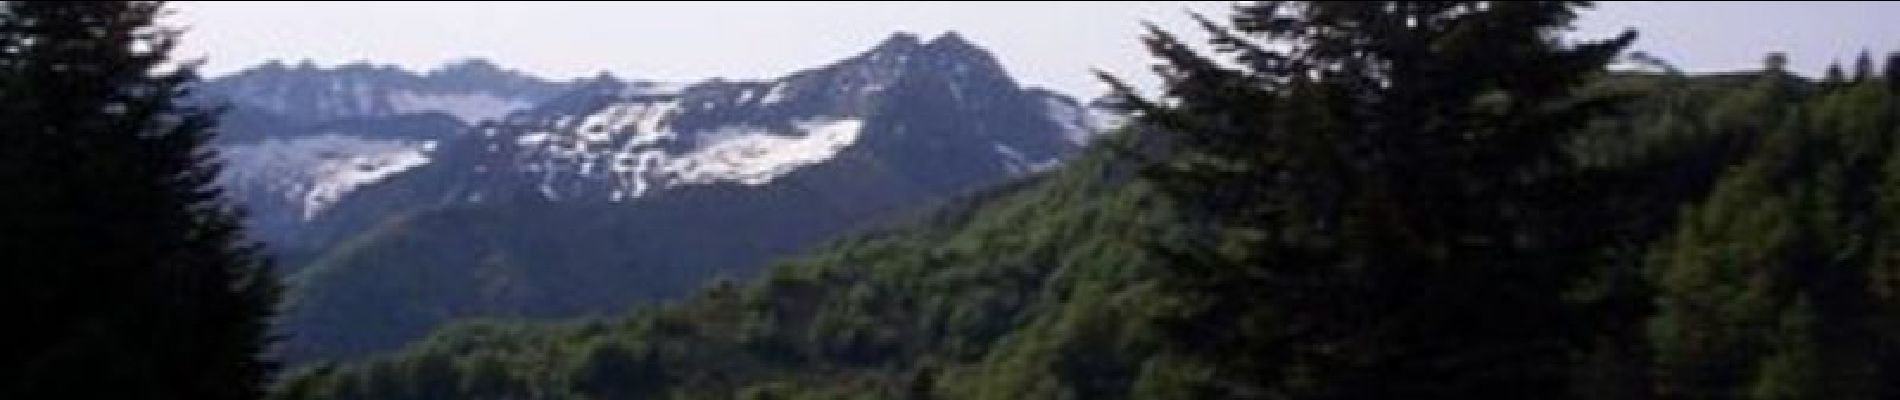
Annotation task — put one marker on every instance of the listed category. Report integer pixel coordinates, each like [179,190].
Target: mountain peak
[898,43]
[961,60]
[951,40]
[605,77]
[954,46]
[476,65]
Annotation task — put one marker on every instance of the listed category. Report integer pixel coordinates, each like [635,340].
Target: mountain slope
[298,139]
[1038,289]
[615,193]
[471,91]
[881,315]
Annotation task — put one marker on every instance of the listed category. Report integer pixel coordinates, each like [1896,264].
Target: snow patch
[753,156]
[655,89]
[626,149]
[645,118]
[775,95]
[1078,125]
[315,171]
[1012,159]
[531,139]
[471,108]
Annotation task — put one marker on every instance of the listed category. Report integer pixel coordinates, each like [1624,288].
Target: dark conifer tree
[1763,288]
[1892,74]
[1775,63]
[1390,211]
[1863,67]
[1833,78]
[127,268]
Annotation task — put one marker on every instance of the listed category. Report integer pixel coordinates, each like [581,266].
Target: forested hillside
[1344,200]
[1747,256]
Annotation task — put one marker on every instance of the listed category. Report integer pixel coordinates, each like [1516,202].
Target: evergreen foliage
[1345,200]
[1365,200]
[1389,207]
[128,269]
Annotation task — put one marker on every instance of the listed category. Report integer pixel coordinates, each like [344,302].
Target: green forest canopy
[1373,199]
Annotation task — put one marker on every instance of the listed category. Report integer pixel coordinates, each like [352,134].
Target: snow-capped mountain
[297,139]
[614,141]
[606,192]
[472,91]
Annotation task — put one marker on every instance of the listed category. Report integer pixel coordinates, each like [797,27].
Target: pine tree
[1863,67]
[1892,74]
[1769,287]
[1834,78]
[1775,63]
[1390,211]
[128,269]
[1710,314]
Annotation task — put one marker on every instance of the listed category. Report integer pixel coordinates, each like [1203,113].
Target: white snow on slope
[655,89]
[775,95]
[634,146]
[643,117]
[1012,159]
[471,108]
[752,156]
[313,172]
[1078,124]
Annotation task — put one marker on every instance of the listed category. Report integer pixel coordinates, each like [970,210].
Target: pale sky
[1048,44]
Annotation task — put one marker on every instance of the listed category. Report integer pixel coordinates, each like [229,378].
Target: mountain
[471,91]
[1025,290]
[612,193]
[1054,286]
[932,118]
[296,139]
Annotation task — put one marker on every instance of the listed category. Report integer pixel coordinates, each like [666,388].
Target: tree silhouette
[1863,67]
[1390,213]
[129,271]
